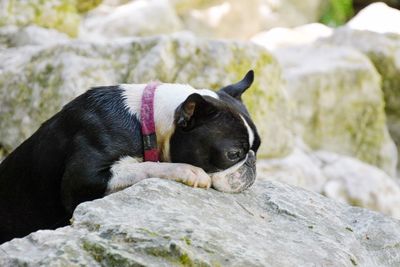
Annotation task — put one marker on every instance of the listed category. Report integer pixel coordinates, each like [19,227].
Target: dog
[112,137]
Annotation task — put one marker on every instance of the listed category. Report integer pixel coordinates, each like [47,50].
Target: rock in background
[38,80]
[164,223]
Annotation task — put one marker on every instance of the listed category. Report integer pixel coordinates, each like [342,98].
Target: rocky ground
[326,102]
[163,223]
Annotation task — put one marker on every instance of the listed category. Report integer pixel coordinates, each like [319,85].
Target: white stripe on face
[249,130]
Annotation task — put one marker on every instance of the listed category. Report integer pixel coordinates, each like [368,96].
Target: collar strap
[148,125]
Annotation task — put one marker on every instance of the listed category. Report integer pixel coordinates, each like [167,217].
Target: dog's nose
[251,158]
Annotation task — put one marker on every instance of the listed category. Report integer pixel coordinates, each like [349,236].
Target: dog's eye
[233,154]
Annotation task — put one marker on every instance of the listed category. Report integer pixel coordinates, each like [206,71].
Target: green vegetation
[338,12]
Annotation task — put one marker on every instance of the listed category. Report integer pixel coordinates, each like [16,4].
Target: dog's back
[29,185]
[95,125]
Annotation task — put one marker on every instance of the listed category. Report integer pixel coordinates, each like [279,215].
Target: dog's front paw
[191,175]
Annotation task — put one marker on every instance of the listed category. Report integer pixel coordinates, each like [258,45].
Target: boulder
[218,18]
[339,177]
[384,52]
[359,184]
[299,168]
[36,81]
[136,18]
[164,223]
[13,36]
[280,37]
[337,100]
[58,14]
[213,18]
[377,17]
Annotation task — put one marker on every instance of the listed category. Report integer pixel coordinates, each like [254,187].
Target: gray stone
[136,18]
[163,223]
[36,81]
[377,17]
[241,19]
[13,36]
[384,51]
[57,14]
[339,177]
[338,102]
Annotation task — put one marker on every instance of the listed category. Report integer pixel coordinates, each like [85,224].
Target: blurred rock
[339,177]
[359,184]
[242,19]
[384,51]
[13,36]
[299,169]
[136,18]
[164,223]
[377,17]
[337,98]
[278,38]
[36,81]
[232,19]
[58,14]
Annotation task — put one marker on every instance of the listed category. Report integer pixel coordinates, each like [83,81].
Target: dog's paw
[191,175]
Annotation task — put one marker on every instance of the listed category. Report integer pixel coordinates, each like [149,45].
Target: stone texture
[384,51]
[36,80]
[339,177]
[211,18]
[338,102]
[218,18]
[279,38]
[377,17]
[13,36]
[300,168]
[136,18]
[58,14]
[359,184]
[163,223]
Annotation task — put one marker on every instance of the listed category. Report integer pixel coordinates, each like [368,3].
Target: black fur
[68,159]
[221,117]
[65,162]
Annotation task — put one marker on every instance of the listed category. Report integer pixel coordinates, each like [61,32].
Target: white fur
[219,178]
[250,131]
[128,171]
[122,175]
[167,98]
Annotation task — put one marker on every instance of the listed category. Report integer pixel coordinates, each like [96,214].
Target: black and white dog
[94,146]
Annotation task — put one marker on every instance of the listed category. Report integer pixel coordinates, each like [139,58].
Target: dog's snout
[251,158]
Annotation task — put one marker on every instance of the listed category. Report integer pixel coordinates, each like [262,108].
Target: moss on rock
[61,15]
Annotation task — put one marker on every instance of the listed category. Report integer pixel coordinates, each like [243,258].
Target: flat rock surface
[164,223]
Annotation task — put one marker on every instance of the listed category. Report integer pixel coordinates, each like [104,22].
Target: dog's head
[218,135]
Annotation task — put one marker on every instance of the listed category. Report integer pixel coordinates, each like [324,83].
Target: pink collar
[148,125]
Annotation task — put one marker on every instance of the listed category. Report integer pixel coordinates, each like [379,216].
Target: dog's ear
[193,110]
[236,90]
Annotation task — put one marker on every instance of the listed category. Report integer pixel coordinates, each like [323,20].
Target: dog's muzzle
[238,177]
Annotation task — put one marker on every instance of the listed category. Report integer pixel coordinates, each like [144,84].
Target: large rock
[359,184]
[136,18]
[384,51]
[36,81]
[213,18]
[13,36]
[300,168]
[58,14]
[377,17]
[337,99]
[242,19]
[339,177]
[163,223]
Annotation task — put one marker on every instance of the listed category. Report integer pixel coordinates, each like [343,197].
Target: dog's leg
[129,171]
